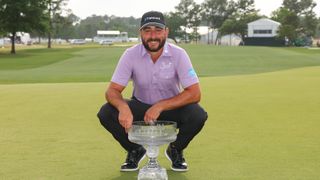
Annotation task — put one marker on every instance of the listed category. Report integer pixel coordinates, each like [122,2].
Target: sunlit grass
[263,126]
[263,106]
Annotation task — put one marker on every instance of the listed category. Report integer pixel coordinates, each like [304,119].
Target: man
[158,70]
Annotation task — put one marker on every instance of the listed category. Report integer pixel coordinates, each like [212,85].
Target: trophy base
[152,174]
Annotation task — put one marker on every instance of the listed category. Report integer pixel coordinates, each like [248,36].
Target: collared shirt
[153,82]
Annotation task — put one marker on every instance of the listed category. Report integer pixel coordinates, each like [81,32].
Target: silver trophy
[151,136]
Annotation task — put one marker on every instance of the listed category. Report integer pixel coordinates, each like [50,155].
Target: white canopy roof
[108,32]
[264,21]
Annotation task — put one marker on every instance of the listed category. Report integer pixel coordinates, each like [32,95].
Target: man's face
[153,38]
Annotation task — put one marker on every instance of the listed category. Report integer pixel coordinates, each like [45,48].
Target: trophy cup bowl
[151,136]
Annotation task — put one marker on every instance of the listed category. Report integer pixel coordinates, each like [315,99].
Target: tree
[54,8]
[128,24]
[289,23]
[245,7]
[307,17]
[299,7]
[317,34]
[245,13]
[291,5]
[21,16]
[174,22]
[297,18]
[88,27]
[229,26]
[308,23]
[238,26]
[184,10]
[64,27]
[1,29]
[195,20]
[215,12]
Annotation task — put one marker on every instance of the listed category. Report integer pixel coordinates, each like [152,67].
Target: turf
[262,103]
[97,64]
[34,58]
[260,126]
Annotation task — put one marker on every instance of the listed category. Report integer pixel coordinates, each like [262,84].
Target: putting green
[263,126]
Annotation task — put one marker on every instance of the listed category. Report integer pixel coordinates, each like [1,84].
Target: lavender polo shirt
[153,82]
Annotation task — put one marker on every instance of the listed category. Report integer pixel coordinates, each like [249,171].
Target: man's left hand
[152,113]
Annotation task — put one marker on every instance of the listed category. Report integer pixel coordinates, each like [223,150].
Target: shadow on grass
[127,176]
[176,175]
[134,175]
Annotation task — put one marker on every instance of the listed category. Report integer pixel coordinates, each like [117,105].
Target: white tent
[205,34]
[24,37]
[114,33]
[114,36]
[230,40]
[263,27]
[1,42]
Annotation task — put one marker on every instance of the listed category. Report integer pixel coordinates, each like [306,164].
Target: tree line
[297,17]
[34,16]
[51,19]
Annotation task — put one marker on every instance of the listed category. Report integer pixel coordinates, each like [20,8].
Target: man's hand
[190,94]
[153,113]
[114,97]
[125,117]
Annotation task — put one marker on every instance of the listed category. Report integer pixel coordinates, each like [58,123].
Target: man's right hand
[114,97]
[125,117]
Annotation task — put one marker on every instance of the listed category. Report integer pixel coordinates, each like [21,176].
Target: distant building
[263,32]
[263,27]
[114,36]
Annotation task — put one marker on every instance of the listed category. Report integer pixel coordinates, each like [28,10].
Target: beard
[161,44]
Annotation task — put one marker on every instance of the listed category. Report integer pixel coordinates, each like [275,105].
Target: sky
[135,8]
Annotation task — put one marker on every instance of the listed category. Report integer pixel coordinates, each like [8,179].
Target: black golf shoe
[176,158]
[133,159]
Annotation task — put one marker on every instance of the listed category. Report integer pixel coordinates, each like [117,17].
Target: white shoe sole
[174,169]
[129,170]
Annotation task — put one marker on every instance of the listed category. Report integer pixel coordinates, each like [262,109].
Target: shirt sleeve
[123,71]
[186,73]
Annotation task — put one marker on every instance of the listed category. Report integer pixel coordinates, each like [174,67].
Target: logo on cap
[152,18]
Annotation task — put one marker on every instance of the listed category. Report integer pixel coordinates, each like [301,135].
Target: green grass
[97,64]
[34,58]
[263,126]
[263,106]
[224,60]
